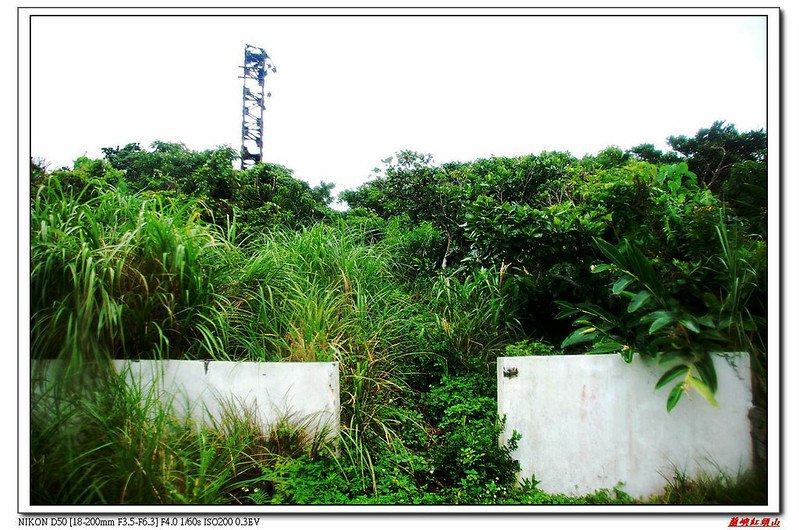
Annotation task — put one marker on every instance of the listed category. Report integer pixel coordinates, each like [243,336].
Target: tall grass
[121,276]
[120,444]
[313,292]
[321,295]
[476,315]
[115,275]
[741,268]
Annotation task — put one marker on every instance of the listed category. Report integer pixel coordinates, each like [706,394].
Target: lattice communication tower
[256,66]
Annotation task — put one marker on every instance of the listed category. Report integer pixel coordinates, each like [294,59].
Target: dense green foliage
[433,272]
[695,255]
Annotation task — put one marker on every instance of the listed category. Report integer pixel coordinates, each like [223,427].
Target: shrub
[468,462]
[530,347]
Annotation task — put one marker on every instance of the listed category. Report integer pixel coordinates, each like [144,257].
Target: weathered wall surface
[305,393]
[592,421]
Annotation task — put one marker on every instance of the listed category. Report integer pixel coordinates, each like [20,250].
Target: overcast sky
[351,91]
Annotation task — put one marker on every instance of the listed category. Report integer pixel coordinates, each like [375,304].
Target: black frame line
[375,509]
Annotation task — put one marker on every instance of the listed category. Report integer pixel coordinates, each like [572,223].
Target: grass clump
[717,487]
[120,444]
[115,275]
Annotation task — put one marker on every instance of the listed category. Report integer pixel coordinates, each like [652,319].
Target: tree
[168,166]
[324,192]
[217,176]
[745,191]
[268,195]
[649,153]
[712,152]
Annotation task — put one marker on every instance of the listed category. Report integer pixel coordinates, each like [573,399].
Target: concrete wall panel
[590,422]
[304,393]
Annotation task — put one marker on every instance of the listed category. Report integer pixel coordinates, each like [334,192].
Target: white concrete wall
[305,393]
[589,422]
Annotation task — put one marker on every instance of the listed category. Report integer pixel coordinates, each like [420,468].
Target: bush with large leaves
[658,323]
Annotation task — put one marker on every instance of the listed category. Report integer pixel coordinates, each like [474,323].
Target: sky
[351,91]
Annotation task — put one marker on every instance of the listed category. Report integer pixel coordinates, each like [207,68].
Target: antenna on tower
[256,66]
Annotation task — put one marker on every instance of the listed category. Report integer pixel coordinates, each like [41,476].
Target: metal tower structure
[256,66]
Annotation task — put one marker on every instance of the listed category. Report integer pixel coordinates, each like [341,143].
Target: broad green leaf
[710,300]
[707,371]
[567,310]
[620,284]
[654,315]
[643,268]
[713,335]
[670,375]
[602,267]
[704,391]
[690,324]
[627,294]
[610,252]
[585,334]
[660,322]
[638,301]
[605,346]
[674,396]
[706,321]
[627,354]
[668,356]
